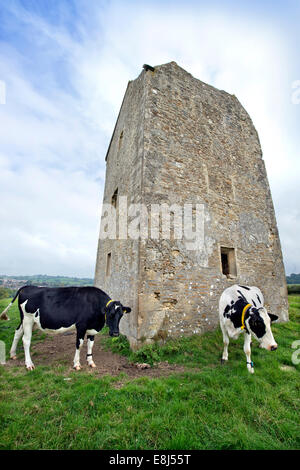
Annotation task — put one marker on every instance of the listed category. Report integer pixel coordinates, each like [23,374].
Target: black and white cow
[241,310]
[85,309]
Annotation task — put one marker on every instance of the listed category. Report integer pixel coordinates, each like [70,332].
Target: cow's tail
[4,315]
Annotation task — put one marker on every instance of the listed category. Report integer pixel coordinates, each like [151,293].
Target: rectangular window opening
[114,199]
[108,264]
[228,262]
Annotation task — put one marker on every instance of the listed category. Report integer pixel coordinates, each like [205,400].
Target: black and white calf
[241,310]
[85,309]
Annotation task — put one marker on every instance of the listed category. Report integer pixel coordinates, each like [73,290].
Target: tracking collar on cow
[243,316]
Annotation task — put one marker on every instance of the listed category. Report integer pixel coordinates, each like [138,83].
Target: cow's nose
[274,347]
[115,334]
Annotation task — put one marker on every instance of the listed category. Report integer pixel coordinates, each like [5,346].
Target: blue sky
[66,65]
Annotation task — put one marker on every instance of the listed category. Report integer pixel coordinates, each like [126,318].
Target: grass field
[207,407]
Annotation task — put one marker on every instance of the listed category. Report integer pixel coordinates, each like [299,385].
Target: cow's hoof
[13,358]
[77,367]
[223,361]
[30,367]
[92,364]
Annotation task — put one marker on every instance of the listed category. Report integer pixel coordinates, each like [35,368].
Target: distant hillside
[293,279]
[14,282]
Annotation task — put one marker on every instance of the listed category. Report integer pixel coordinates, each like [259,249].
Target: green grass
[293,289]
[208,407]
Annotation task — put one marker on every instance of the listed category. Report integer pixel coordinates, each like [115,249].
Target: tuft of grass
[293,289]
[219,407]
[182,350]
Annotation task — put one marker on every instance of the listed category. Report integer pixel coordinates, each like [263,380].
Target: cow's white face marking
[266,341]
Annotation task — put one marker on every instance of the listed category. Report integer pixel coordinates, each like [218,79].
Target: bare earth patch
[59,349]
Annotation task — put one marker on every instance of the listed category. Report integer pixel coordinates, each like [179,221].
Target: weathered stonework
[178,140]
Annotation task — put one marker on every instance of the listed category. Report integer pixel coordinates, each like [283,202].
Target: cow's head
[114,312]
[259,323]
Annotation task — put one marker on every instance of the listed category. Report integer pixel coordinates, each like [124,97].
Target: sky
[64,68]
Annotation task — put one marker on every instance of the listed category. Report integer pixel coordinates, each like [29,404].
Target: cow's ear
[273,317]
[126,309]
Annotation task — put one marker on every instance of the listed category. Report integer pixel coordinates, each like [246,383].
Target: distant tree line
[293,282]
[293,279]
[5,292]
[58,281]
[14,282]
[293,288]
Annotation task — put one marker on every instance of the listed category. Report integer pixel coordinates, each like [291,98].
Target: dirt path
[60,349]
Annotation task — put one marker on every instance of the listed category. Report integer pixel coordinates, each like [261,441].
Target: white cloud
[50,220]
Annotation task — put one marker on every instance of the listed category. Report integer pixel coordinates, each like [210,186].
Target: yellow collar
[243,315]
[109,302]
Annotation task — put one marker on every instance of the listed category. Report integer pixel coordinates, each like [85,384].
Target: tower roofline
[155,68]
[113,133]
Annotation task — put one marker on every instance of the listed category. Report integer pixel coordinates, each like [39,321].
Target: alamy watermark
[2,92]
[2,353]
[155,221]
[295,98]
[296,354]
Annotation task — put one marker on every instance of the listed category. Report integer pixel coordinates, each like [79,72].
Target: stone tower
[179,143]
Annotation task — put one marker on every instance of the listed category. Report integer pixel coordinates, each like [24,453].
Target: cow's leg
[27,327]
[18,333]
[226,343]
[247,350]
[79,343]
[89,356]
